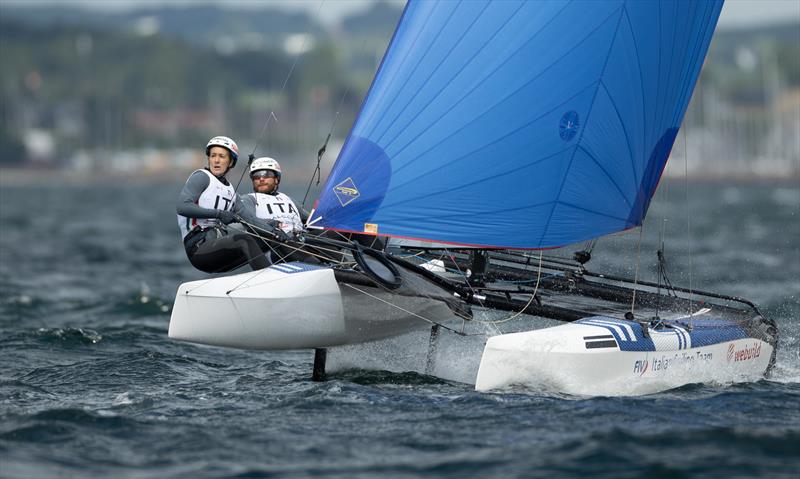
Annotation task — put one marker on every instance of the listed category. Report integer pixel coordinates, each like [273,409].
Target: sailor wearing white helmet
[206,204]
[269,204]
[267,201]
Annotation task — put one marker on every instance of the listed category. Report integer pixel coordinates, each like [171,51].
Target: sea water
[90,385]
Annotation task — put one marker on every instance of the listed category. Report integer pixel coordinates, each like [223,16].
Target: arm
[187,199]
[245,208]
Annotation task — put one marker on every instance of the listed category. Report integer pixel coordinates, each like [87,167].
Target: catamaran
[493,131]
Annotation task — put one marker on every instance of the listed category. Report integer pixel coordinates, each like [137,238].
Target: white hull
[557,359]
[298,306]
[293,306]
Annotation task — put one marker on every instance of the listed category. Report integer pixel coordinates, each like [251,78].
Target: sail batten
[519,124]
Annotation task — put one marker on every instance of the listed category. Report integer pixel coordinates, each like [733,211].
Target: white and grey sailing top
[199,199]
[278,207]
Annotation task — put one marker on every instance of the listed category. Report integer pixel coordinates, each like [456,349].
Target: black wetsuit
[279,252]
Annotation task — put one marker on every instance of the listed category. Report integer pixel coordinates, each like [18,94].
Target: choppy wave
[90,385]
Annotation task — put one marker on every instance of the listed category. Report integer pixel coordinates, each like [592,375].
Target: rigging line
[533,295]
[590,245]
[219,270]
[321,152]
[688,214]
[403,309]
[316,173]
[661,265]
[258,273]
[425,84]
[342,263]
[636,275]
[273,250]
[283,87]
[466,281]
[452,258]
[298,248]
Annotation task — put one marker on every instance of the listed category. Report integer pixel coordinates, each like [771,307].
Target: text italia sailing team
[208,204]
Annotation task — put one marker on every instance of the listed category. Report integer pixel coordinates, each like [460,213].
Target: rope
[283,87]
[688,219]
[466,281]
[299,247]
[661,266]
[533,295]
[404,310]
[271,114]
[636,275]
[317,171]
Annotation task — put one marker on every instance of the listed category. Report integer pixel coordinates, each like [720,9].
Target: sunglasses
[263,174]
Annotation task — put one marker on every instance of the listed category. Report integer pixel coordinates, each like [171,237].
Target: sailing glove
[226,216]
[281,235]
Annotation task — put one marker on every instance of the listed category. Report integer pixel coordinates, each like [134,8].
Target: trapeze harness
[210,246]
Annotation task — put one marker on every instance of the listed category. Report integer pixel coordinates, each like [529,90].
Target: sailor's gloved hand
[281,235]
[226,216]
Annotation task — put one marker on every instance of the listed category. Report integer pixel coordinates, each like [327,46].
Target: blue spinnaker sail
[519,124]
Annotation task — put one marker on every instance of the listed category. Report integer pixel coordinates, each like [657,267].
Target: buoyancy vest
[216,196]
[280,208]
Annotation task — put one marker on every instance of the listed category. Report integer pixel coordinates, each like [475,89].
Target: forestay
[519,124]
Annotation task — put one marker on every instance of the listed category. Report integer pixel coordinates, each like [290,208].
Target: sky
[735,13]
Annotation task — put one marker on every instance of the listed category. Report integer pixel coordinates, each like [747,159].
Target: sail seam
[599,213]
[481,179]
[402,148]
[455,160]
[414,68]
[471,60]
[643,102]
[660,114]
[648,132]
[605,172]
[580,138]
[627,140]
[425,82]
[688,86]
[685,71]
[470,214]
[523,207]
[331,177]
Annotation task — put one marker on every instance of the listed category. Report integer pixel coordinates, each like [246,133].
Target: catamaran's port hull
[571,359]
[282,308]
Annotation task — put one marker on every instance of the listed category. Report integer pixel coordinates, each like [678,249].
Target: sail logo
[346,192]
[745,354]
[568,126]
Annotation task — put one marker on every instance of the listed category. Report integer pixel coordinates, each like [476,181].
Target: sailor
[268,204]
[206,204]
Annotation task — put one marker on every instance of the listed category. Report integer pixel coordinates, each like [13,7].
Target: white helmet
[265,163]
[226,143]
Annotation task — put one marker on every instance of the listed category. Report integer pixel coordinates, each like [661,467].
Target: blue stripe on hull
[295,267]
[703,333]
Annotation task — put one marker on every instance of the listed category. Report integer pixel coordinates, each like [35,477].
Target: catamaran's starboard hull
[602,356]
[293,306]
